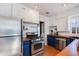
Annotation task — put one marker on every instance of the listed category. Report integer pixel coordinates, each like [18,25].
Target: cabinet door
[26,48]
[68,41]
[25,13]
[18,11]
[5,9]
[52,41]
[31,15]
[35,16]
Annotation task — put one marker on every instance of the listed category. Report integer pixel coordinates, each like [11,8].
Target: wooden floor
[78,51]
[50,51]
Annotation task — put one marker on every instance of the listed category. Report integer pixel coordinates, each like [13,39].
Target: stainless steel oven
[37,47]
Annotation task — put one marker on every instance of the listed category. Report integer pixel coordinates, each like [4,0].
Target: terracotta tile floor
[50,51]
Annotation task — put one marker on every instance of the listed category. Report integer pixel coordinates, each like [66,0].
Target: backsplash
[30,27]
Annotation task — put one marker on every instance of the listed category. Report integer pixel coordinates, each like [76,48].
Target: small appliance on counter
[53,30]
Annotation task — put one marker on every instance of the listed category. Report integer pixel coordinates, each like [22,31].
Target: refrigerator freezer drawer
[10,46]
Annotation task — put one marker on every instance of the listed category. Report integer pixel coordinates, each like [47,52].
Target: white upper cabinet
[5,9]
[31,15]
[27,14]
[18,11]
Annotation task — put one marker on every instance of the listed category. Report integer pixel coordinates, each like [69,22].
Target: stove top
[39,39]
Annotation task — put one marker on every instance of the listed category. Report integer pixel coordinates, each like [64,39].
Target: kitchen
[39,29]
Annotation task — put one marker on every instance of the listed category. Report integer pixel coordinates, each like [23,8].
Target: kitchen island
[71,44]
[59,40]
[61,36]
[70,50]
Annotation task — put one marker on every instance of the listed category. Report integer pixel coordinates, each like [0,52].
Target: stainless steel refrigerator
[10,36]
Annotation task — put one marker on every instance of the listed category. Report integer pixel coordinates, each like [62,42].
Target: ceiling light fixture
[64,4]
[36,6]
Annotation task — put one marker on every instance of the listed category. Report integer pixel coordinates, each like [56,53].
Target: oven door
[37,46]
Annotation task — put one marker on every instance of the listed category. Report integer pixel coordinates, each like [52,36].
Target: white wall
[61,20]
[46,20]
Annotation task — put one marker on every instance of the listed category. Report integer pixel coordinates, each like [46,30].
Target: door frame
[42,30]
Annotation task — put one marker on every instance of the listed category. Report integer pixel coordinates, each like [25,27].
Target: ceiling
[53,8]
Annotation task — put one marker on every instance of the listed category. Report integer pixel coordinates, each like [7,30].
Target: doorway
[42,29]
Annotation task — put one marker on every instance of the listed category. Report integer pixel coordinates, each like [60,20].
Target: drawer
[26,43]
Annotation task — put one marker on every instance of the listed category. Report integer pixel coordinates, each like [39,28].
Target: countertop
[70,50]
[26,39]
[63,36]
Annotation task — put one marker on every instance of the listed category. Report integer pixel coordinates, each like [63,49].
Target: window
[73,24]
